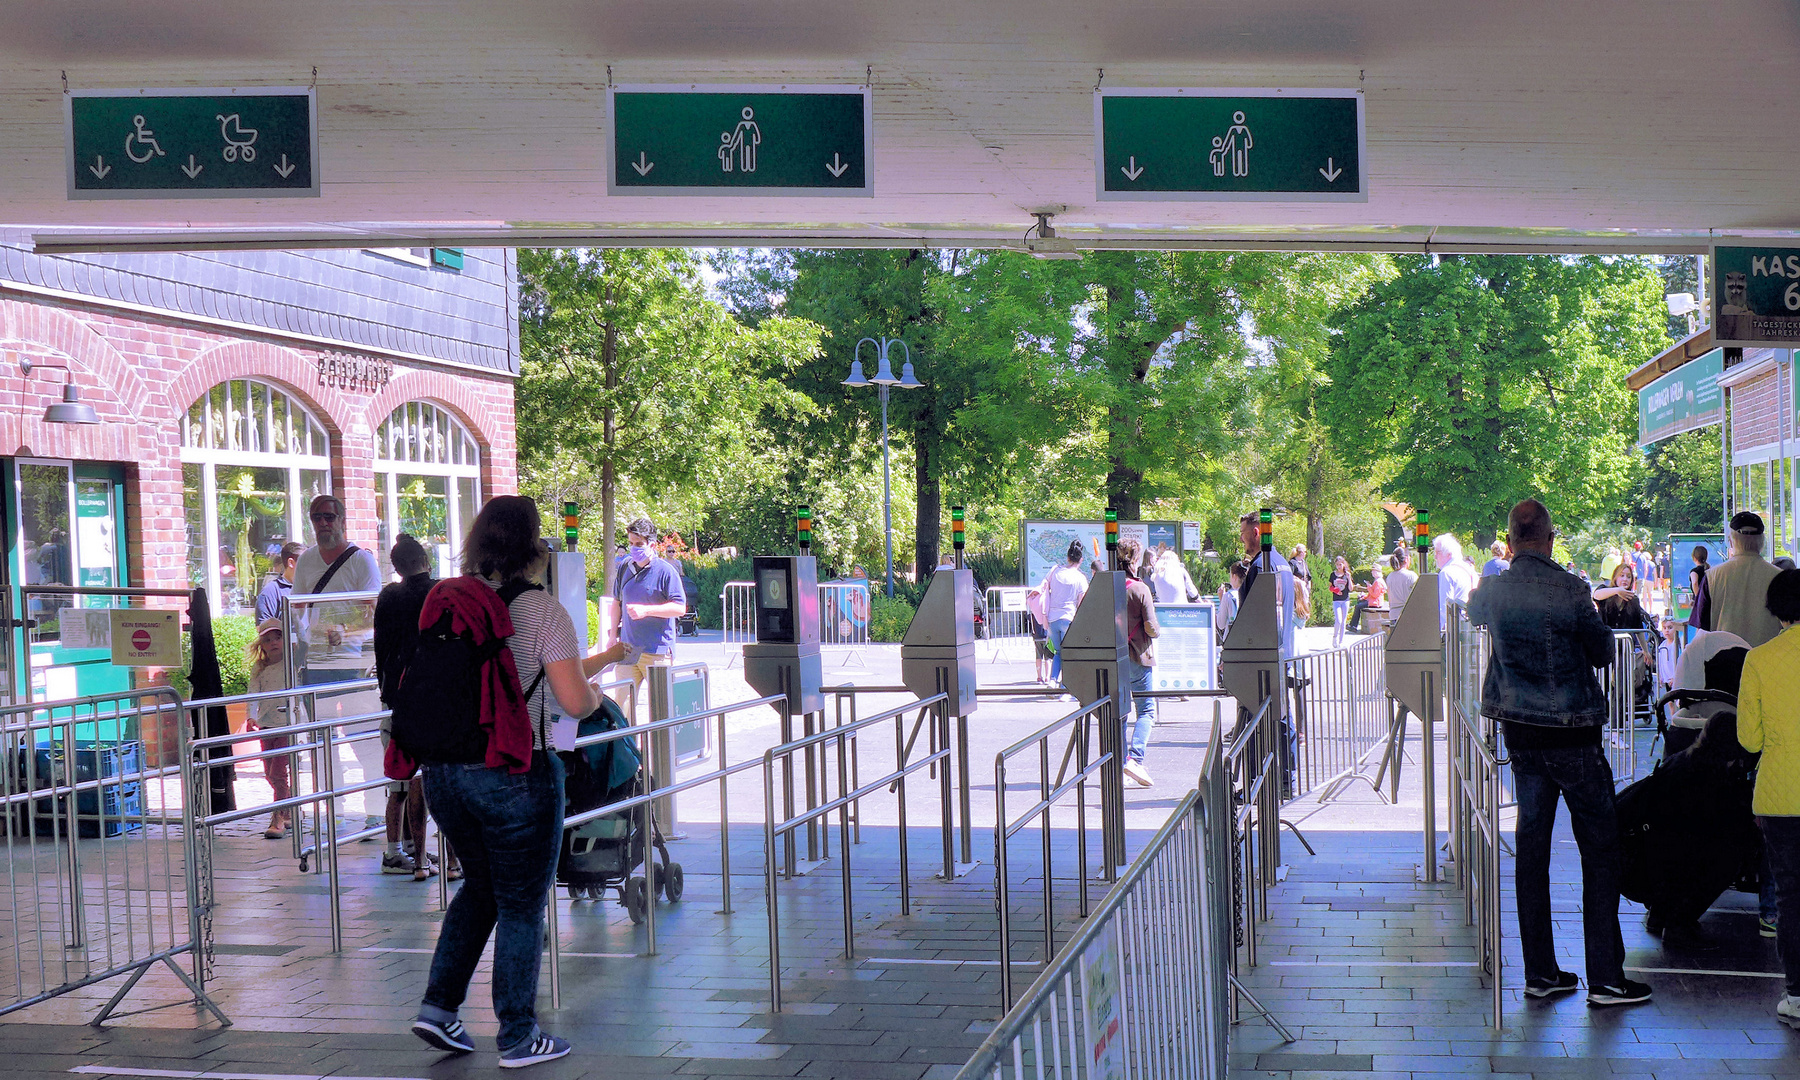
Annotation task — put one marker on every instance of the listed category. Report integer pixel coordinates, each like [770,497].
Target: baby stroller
[602,854]
[1686,831]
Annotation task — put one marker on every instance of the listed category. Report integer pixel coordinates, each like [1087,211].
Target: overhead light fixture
[1045,244]
[71,409]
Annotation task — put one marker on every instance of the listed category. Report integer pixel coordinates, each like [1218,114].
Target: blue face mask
[638,553]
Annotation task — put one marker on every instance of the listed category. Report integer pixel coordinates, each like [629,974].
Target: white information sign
[86,628]
[1187,655]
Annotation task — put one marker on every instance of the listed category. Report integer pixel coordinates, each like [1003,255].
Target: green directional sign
[739,140]
[1230,145]
[192,143]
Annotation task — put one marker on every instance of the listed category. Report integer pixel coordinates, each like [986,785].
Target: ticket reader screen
[787,599]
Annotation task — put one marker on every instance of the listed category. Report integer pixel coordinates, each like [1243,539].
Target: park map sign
[739,140]
[1274,145]
[192,143]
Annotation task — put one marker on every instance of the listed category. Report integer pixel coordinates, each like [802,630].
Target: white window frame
[293,464]
[389,469]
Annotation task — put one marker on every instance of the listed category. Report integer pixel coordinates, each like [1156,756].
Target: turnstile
[1094,651]
[937,656]
[1415,680]
[784,660]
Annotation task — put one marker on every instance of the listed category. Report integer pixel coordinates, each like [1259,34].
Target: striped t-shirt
[543,633]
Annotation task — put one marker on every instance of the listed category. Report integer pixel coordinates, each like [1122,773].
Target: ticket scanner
[1094,651]
[1251,668]
[784,661]
[1415,681]
[937,656]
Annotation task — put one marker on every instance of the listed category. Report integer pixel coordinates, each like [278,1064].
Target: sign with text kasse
[1230,145]
[739,140]
[192,143]
[1756,296]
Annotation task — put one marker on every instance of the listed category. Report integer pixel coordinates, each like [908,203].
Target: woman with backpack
[496,788]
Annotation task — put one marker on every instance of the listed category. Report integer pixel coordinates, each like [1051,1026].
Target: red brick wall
[141,375]
[1755,413]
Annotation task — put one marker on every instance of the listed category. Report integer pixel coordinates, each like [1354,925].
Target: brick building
[233,387]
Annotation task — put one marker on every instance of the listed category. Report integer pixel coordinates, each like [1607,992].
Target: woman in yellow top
[1769,724]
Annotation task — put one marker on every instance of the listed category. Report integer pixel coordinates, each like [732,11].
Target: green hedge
[232,635]
[889,617]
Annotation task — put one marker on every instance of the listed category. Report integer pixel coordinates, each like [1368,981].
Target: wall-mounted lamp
[71,409]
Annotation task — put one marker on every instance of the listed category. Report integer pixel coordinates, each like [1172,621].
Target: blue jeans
[1781,849]
[1058,627]
[1583,778]
[1137,677]
[507,830]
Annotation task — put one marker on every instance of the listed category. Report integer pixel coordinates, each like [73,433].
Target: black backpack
[437,712]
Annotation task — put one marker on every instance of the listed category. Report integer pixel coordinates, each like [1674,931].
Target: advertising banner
[1046,543]
[1683,400]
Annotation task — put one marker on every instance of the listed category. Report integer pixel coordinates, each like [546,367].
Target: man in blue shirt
[651,598]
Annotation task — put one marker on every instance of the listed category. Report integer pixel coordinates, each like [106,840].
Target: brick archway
[284,367]
[443,390]
[84,347]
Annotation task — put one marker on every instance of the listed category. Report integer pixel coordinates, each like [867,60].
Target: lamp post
[884,379]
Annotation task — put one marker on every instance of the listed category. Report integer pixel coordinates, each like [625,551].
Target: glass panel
[424,512]
[313,483]
[96,544]
[241,418]
[44,540]
[468,503]
[259,418]
[252,527]
[193,433]
[195,511]
[383,541]
[315,437]
[381,438]
[278,422]
[215,418]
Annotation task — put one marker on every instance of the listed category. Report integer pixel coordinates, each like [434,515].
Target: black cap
[1746,522]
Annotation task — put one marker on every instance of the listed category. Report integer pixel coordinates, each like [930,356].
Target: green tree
[629,370]
[1488,378]
[1678,489]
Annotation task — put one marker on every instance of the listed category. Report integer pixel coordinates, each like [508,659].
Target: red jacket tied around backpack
[477,610]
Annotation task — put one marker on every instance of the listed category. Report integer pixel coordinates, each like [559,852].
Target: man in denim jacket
[1547,640]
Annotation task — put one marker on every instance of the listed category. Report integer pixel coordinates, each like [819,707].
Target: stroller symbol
[240,141]
[141,137]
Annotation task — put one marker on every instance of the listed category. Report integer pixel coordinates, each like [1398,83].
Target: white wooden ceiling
[1636,125]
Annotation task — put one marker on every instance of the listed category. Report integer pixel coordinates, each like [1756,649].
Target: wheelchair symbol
[239,140]
[141,137]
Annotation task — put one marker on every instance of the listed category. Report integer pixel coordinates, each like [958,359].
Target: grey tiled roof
[354,296]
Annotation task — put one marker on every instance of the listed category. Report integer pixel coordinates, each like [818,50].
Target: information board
[1756,296]
[1045,544]
[1682,400]
[192,143]
[1187,656]
[1229,145]
[745,140]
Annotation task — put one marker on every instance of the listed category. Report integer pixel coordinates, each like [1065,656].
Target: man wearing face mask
[650,600]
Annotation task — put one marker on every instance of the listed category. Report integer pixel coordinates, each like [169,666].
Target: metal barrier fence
[651,791]
[1148,987]
[775,827]
[737,606]
[1475,779]
[1342,715]
[843,613]
[98,878]
[1079,752]
[1624,709]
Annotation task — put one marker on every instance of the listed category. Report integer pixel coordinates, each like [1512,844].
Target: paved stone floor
[1373,971]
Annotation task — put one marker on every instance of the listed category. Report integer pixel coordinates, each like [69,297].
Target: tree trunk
[1315,497]
[609,357]
[928,504]
[1121,490]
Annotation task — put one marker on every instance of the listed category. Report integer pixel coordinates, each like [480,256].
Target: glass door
[68,527]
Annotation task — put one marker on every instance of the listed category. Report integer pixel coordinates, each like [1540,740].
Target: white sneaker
[1138,775]
[1788,1011]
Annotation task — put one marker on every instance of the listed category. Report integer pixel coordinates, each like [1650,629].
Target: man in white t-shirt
[1456,578]
[336,638]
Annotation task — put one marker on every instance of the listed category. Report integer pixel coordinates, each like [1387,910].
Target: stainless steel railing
[777,826]
[1343,718]
[1475,781]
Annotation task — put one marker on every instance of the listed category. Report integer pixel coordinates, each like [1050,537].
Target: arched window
[252,458]
[427,482]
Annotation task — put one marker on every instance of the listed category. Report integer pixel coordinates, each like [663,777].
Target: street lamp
[884,378]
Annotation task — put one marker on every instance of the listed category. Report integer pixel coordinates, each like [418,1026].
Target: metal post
[1000,889]
[330,849]
[1428,772]
[844,849]
[769,882]
[962,776]
[555,936]
[887,497]
[941,721]
[724,820]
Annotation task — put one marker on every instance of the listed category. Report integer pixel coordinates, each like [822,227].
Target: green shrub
[709,573]
[1321,589]
[889,617]
[992,569]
